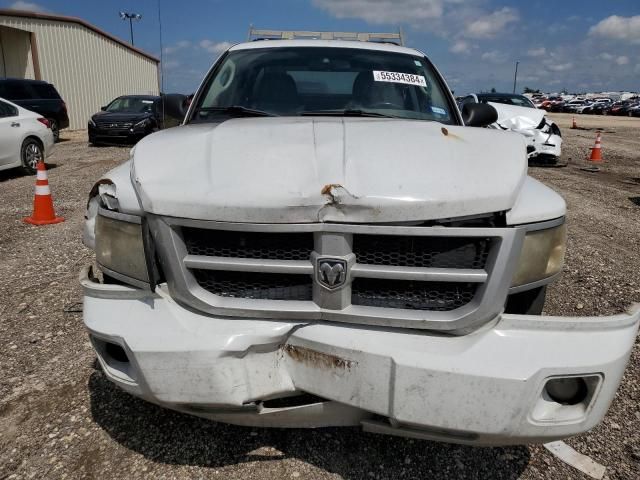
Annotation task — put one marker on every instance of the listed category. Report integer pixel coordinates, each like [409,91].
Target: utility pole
[515,77]
[131,17]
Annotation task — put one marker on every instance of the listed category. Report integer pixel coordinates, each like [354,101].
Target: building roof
[79,21]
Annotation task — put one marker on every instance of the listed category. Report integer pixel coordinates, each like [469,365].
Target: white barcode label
[396,77]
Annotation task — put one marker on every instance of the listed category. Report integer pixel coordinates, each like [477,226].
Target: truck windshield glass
[296,81]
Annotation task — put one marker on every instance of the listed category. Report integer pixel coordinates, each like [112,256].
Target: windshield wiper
[347,113]
[237,110]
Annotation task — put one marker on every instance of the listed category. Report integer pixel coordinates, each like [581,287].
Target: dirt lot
[60,418]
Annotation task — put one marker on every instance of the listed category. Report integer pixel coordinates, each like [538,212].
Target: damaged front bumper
[541,144]
[484,388]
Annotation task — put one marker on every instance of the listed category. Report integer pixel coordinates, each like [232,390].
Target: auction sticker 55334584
[397,77]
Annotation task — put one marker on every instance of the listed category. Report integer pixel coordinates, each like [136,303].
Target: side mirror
[478,114]
[103,108]
[175,105]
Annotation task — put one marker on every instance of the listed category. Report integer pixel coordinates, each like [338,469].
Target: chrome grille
[426,277]
[425,252]
[264,286]
[433,296]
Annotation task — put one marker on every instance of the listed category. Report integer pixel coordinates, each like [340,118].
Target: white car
[516,113]
[25,137]
[327,241]
[542,136]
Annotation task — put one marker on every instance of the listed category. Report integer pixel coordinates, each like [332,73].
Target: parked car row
[125,119]
[593,106]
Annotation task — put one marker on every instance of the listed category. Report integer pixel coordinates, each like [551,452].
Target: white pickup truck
[326,240]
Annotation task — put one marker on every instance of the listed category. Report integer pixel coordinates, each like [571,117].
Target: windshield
[131,105]
[293,81]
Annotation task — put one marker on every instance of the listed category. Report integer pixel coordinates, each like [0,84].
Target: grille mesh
[411,295]
[429,252]
[262,286]
[268,246]
[107,125]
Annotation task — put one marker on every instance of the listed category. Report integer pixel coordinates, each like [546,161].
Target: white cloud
[384,11]
[537,52]
[494,56]
[622,60]
[182,44]
[213,47]
[171,64]
[490,25]
[29,6]
[606,56]
[460,46]
[618,28]
[560,67]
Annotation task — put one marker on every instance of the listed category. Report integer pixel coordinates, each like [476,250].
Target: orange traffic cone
[574,125]
[43,213]
[596,151]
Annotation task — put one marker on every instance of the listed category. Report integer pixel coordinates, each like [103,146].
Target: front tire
[31,153]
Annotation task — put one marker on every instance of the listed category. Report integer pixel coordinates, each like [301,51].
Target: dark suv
[40,97]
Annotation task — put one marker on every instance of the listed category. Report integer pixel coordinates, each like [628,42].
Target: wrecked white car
[543,137]
[326,241]
[518,114]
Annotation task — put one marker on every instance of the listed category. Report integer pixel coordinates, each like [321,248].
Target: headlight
[119,246]
[542,255]
[91,122]
[142,123]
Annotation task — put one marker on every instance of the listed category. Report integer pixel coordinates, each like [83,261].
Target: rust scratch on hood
[447,133]
[326,190]
[317,359]
[332,190]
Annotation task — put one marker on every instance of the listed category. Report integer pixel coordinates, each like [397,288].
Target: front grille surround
[490,283]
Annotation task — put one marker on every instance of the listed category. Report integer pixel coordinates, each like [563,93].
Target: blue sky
[580,45]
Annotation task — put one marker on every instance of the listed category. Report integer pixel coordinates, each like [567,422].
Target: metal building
[88,66]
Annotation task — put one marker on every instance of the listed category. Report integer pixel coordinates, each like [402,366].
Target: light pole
[131,17]
[515,77]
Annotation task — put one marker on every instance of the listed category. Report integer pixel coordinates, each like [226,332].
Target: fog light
[116,352]
[567,391]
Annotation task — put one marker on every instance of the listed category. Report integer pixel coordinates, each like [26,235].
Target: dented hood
[518,118]
[330,169]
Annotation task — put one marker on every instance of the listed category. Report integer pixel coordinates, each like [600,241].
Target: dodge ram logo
[332,272]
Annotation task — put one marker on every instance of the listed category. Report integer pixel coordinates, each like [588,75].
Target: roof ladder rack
[257,34]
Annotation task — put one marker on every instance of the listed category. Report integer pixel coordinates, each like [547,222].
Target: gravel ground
[60,417]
